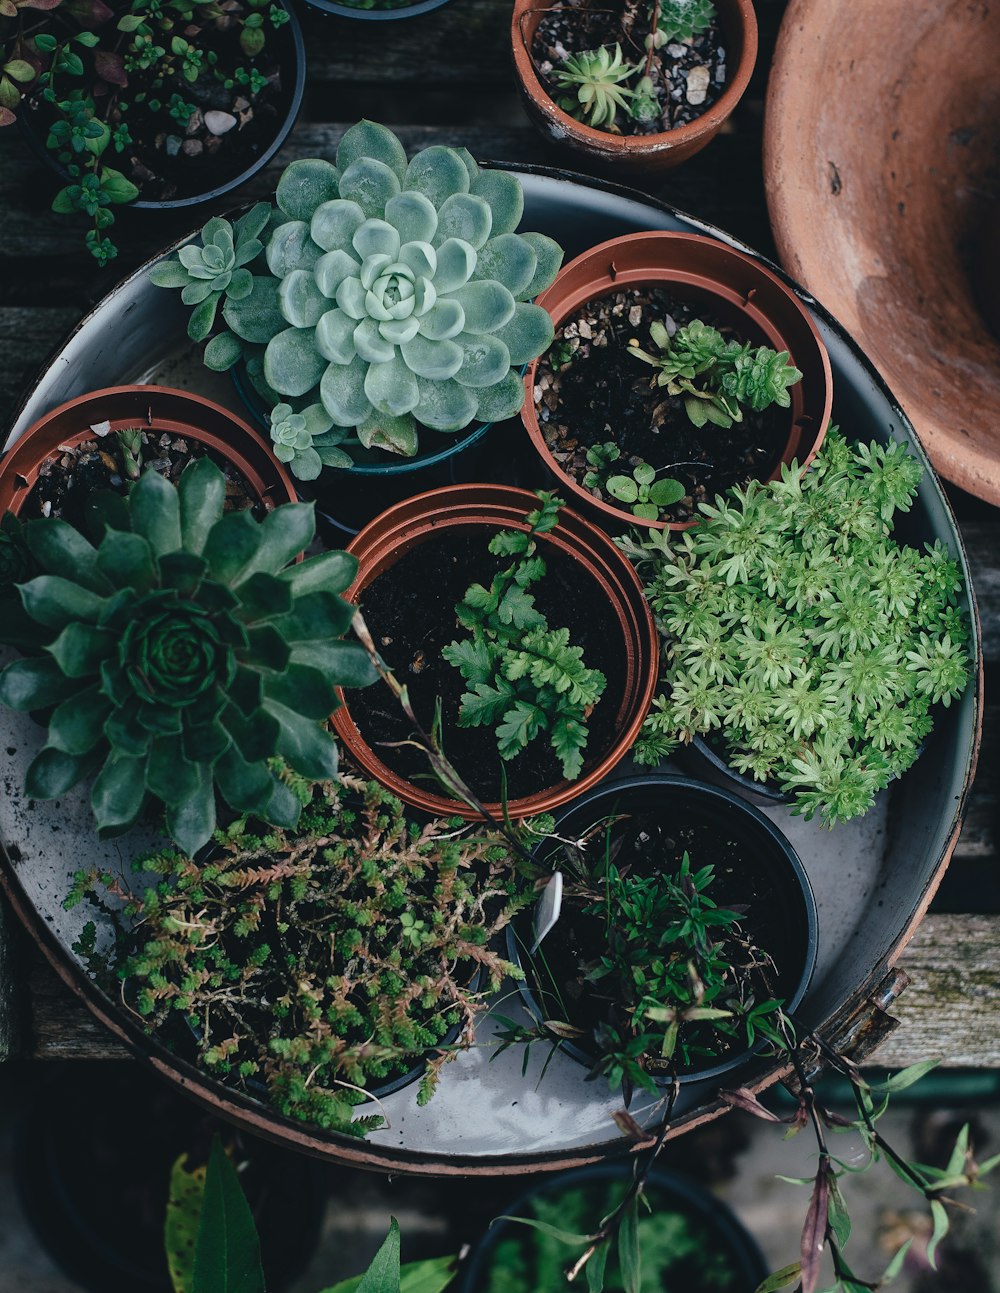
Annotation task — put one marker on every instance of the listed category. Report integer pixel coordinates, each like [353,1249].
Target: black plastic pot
[288,37]
[694,801]
[729,1235]
[701,759]
[376,15]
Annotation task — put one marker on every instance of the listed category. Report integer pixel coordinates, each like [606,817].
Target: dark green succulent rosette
[178,657]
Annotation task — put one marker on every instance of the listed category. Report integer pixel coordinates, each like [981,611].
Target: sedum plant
[802,635]
[597,83]
[394,294]
[178,656]
[524,677]
[684,19]
[717,378]
[315,963]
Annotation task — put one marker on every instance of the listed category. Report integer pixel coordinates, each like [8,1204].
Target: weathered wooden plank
[27,338]
[951,1008]
[11,995]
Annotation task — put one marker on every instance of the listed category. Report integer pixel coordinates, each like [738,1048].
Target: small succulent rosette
[378,298]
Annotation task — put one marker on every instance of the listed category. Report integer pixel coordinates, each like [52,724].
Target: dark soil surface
[410,609]
[67,480]
[589,390]
[747,880]
[688,76]
[180,156]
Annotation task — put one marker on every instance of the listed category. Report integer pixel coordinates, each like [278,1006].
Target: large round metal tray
[873,879]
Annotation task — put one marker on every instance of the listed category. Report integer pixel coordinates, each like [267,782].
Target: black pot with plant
[686,935]
[688,1239]
[149,105]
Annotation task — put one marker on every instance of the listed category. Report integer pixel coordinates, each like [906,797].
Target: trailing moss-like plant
[640,490]
[314,963]
[718,378]
[395,295]
[178,656]
[802,635]
[525,677]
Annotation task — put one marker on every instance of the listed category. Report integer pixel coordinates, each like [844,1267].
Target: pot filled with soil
[519,620]
[633,86]
[105,440]
[688,1239]
[176,109]
[680,367]
[685,937]
[376,10]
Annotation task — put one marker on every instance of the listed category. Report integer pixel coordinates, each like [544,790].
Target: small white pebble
[635,315]
[101,428]
[698,79]
[219,123]
[585,329]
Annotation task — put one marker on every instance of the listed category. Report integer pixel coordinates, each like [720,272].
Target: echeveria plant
[179,657]
[393,294]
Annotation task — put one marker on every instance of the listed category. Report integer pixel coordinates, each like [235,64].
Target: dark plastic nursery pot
[694,803]
[154,408]
[709,765]
[376,15]
[292,60]
[672,1190]
[740,291]
[414,522]
[644,155]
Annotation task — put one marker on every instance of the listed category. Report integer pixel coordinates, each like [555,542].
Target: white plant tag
[549,906]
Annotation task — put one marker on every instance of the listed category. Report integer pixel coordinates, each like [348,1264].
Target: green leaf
[180,1230]
[80,648]
[118,794]
[35,683]
[222,352]
[839,1217]
[905,1077]
[623,488]
[896,1265]
[78,723]
[52,772]
[629,1253]
[666,492]
[117,187]
[316,616]
[263,597]
[595,1269]
[520,724]
[231,546]
[346,664]
[286,532]
[310,749]
[382,1276]
[303,689]
[169,273]
[61,548]
[485,705]
[191,823]
[780,1279]
[169,775]
[245,786]
[305,185]
[227,1253]
[127,561]
[939,1216]
[156,515]
[202,495]
[56,602]
[563,1236]
[331,572]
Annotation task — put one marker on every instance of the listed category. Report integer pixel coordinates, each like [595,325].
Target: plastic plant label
[549,906]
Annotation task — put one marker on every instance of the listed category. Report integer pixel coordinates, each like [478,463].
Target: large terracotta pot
[649,154]
[411,523]
[880,159]
[736,289]
[151,408]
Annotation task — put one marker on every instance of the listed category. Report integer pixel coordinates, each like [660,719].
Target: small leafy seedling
[647,496]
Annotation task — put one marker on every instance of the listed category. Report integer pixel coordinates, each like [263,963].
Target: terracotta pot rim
[561,302]
[248,452]
[636,147]
[428,514]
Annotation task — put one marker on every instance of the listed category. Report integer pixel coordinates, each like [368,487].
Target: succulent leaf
[306,185]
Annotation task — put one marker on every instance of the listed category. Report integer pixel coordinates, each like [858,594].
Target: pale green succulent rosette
[398,297]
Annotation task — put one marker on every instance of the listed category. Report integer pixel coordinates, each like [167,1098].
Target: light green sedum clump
[393,294]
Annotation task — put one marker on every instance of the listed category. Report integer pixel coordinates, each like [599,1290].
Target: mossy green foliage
[315,962]
[801,632]
[673,1246]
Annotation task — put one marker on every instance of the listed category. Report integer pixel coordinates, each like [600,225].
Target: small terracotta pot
[650,154]
[158,408]
[411,523]
[736,289]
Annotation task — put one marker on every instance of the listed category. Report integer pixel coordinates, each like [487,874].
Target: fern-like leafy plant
[525,678]
[718,378]
[179,656]
[315,963]
[802,635]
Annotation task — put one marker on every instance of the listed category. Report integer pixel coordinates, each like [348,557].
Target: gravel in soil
[68,478]
[410,610]
[688,76]
[746,880]
[589,390]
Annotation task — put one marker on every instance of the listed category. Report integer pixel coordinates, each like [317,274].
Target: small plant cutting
[151,98]
[713,414]
[179,656]
[633,68]
[391,297]
[313,965]
[524,678]
[801,636]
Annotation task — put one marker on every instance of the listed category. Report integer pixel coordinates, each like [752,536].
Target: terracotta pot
[409,524]
[880,153]
[650,154]
[737,290]
[150,407]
